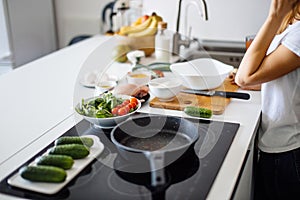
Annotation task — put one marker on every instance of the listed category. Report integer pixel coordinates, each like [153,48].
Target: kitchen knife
[237,95]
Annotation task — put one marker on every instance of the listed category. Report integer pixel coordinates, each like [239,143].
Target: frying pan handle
[157,167]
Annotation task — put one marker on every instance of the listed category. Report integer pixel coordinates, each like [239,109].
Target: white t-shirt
[280,126]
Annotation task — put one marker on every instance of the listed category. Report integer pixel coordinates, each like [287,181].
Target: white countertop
[37,103]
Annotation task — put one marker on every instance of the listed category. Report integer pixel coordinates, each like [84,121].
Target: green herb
[100,107]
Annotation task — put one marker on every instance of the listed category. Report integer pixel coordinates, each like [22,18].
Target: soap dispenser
[162,44]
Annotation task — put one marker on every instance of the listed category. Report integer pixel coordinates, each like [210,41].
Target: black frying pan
[158,139]
[188,164]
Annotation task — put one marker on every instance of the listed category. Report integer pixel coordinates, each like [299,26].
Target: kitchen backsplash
[227,20]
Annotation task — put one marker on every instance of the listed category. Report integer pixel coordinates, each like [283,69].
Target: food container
[109,122]
[104,86]
[202,73]
[139,77]
[165,89]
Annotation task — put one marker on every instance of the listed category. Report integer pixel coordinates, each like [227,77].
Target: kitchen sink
[225,51]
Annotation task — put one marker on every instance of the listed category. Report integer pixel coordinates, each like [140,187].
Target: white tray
[52,188]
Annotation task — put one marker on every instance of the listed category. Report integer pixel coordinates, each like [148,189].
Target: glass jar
[162,44]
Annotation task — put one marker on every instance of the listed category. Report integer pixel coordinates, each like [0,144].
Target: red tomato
[126,108]
[133,105]
[127,101]
[129,105]
[114,111]
[122,111]
[119,106]
[133,99]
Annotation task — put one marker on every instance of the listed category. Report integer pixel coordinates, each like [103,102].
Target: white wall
[228,19]
[78,17]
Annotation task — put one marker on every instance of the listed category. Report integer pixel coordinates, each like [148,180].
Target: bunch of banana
[140,20]
[139,29]
[150,30]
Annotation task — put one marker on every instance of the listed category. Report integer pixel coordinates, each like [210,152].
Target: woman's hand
[279,8]
[257,67]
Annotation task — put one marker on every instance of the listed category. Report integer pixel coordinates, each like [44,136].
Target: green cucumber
[62,161]
[76,151]
[198,111]
[160,66]
[75,140]
[43,173]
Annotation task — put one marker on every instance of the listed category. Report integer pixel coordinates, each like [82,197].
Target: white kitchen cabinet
[28,31]
[244,188]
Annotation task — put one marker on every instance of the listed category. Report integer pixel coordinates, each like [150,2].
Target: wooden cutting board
[215,103]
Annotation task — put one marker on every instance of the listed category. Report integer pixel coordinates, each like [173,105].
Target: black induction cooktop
[109,176]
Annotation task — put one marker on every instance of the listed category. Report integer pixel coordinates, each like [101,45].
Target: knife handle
[237,95]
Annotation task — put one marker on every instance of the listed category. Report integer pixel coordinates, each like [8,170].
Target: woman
[273,60]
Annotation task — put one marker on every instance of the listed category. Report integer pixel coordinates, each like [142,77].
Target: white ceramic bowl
[202,74]
[104,86]
[109,122]
[139,77]
[165,89]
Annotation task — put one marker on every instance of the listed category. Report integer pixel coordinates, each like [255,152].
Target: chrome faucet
[177,38]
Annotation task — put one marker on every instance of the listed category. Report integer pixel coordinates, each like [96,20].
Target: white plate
[90,82]
[87,84]
[52,188]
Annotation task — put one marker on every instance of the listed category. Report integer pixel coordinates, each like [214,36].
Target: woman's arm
[256,67]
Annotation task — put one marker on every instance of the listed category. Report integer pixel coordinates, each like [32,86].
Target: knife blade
[237,95]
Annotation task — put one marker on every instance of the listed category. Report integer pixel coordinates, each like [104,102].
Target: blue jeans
[278,176]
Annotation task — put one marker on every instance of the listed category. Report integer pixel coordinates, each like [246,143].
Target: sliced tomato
[133,99]
[127,101]
[133,105]
[119,106]
[130,106]
[122,111]
[114,111]
[126,108]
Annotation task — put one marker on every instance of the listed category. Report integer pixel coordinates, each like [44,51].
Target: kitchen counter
[38,100]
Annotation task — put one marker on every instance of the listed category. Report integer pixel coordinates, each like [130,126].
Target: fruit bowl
[140,35]
[106,122]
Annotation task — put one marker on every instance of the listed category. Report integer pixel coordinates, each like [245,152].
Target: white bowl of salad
[107,110]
